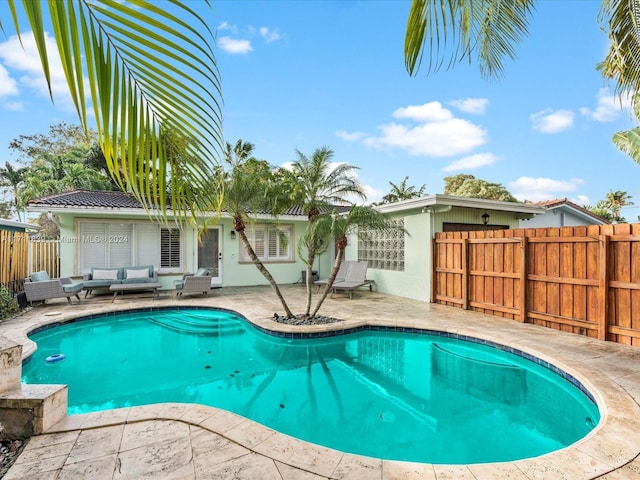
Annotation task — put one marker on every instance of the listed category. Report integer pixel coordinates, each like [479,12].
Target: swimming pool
[386,394]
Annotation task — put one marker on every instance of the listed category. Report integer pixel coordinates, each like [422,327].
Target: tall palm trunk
[263,270]
[332,275]
[311,258]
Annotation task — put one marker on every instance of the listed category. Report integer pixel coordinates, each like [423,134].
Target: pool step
[200,324]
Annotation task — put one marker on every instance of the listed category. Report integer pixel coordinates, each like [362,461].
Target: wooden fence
[20,255]
[584,280]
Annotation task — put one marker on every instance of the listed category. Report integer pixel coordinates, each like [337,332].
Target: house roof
[442,203]
[18,225]
[564,203]
[112,201]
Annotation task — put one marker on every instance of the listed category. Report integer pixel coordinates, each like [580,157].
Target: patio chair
[40,287]
[194,283]
[356,277]
[340,276]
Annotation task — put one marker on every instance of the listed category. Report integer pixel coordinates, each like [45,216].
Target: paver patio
[185,441]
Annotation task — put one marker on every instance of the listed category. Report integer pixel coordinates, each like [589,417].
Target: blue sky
[306,74]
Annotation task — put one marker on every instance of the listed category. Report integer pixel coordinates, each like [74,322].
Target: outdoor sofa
[194,283]
[103,278]
[40,287]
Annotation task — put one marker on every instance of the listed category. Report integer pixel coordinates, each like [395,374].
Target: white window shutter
[92,246]
[120,242]
[147,245]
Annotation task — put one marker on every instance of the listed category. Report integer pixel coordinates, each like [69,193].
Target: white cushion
[138,273]
[105,275]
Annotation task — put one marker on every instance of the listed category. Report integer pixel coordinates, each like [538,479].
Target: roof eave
[464,202]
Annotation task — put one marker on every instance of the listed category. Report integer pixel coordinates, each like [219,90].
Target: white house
[111,229]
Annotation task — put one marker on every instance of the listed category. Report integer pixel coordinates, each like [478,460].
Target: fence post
[523,278]
[603,287]
[465,273]
[434,245]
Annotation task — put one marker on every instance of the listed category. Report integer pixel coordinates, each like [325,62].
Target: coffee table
[133,287]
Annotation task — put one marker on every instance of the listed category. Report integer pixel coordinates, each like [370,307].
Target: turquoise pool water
[384,394]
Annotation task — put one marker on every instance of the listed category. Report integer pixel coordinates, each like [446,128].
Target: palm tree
[402,192]
[317,186]
[150,69]
[616,200]
[248,187]
[363,219]
[13,178]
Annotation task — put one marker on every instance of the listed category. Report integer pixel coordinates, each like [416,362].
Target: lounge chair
[340,276]
[194,283]
[40,287]
[356,277]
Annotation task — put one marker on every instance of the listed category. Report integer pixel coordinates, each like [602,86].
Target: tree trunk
[264,271]
[332,277]
[311,258]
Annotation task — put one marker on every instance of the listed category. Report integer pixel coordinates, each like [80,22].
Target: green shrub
[8,305]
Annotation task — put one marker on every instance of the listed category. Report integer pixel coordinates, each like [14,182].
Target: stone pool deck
[184,441]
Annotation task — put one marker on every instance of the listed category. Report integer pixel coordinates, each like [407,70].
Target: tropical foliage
[362,220]
[62,160]
[481,30]
[249,188]
[611,207]
[317,185]
[153,84]
[402,191]
[463,185]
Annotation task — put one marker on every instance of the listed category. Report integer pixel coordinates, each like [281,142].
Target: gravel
[303,320]
[9,451]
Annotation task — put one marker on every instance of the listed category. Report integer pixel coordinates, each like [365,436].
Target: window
[271,243]
[113,244]
[383,250]
[169,248]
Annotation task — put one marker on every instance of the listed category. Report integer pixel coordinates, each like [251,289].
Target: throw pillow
[137,273]
[41,276]
[105,275]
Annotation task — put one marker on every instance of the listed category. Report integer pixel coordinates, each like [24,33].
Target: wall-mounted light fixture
[233,234]
[485,218]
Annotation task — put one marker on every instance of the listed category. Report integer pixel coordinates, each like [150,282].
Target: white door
[210,254]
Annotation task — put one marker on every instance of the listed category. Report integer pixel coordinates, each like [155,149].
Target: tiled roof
[564,201]
[117,200]
[89,198]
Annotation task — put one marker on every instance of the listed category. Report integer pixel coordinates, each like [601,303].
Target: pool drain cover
[387,417]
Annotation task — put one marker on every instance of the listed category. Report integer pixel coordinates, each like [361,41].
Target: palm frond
[482,30]
[154,89]
[621,20]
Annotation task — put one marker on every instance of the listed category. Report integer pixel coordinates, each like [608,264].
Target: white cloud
[581,200]
[538,189]
[7,84]
[608,107]
[227,26]
[471,162]
[350,136]
[26,62]
[436,139]
[429,112]
[235,46]
[471,105]
[14,106]
[269,35]
[550,121]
